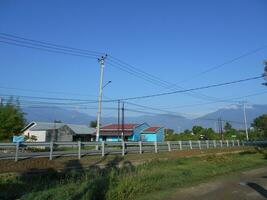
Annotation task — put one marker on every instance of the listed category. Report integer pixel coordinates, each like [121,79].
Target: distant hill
[49,114]
[232,114]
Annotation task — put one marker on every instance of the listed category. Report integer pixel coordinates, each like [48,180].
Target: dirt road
[248,185]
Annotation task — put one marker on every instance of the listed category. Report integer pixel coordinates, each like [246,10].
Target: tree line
[258,131]
[12,121]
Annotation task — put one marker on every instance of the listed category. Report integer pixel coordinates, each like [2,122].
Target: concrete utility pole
[245,119]
[265,73]
[102,64]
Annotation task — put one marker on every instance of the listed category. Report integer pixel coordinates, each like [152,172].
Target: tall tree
[11,119]
[93,124]
[227,127]
[260,124]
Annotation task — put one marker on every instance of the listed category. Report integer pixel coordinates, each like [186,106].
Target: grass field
[120,179]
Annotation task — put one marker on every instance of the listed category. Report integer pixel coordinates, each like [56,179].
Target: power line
[221,100]
[225,63]
[153,95]
[42,91]
[96,53]
[192,89]
[45,46]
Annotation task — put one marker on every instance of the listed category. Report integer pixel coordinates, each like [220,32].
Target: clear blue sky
[173,40]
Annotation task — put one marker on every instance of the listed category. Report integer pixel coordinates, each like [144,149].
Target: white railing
[54,149]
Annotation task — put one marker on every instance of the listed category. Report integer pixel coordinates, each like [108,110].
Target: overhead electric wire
[47,49]
[50,98]
[53,44]
[86,53]
[42,91]
[153,95]
[225,63]
[192,89]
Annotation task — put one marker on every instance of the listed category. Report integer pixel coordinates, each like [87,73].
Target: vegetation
[11,119]
[260,125]
[258,131]
[126,182]
[93,124]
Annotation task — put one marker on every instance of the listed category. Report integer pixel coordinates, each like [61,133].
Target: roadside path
[249,185]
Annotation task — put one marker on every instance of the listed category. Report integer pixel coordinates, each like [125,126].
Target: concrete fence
[54,149]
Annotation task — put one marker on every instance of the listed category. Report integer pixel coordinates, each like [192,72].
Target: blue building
[152,134]
[130,132]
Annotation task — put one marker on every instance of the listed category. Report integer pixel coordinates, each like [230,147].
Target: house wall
[63,134]
[153,136]
[110,138]
[137,132]
[40,135]
[149,137]
[160,135]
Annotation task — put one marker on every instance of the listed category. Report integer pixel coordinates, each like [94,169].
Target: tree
[260,124]
[228,127]
[12,119]
[197,130]
[93,124]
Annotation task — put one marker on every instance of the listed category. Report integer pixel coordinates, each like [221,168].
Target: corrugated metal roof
[151,129]
[116,127]
[46,126]
[77,129]
[81,129]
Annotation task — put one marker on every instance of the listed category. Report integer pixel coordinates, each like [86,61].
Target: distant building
[131,132]
[152,134]
[46,132]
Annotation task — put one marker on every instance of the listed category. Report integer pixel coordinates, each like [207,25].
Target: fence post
[238,144]
[190,144]
[51,146]
[180,143]
[214,143]
[221,143]
[103,148]
[207,142]
[140,147]
[123,148]
[169,146]
[233,143]
[156,147]
[79,150]
[227,143]
[17,151]
[199,144]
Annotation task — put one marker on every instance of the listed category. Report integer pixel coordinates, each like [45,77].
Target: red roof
[152,129]
[116,127]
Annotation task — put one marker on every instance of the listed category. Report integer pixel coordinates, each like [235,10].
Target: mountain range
[233,114]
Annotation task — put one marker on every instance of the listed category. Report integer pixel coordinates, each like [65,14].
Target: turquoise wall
[135,137]
[138,130]
[152,137]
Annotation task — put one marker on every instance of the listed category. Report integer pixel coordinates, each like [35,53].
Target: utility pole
[122,121]
[119,119]
[102,64]
[245,119]
[265,73]
[220,127]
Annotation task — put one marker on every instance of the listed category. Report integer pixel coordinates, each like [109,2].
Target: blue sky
[173,40]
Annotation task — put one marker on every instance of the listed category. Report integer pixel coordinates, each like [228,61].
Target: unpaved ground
[87,161]
[250,185]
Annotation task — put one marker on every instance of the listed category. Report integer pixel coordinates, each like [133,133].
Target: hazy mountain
[49,114]
[234,114]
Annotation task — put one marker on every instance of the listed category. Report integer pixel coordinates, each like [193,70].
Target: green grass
[126,181]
